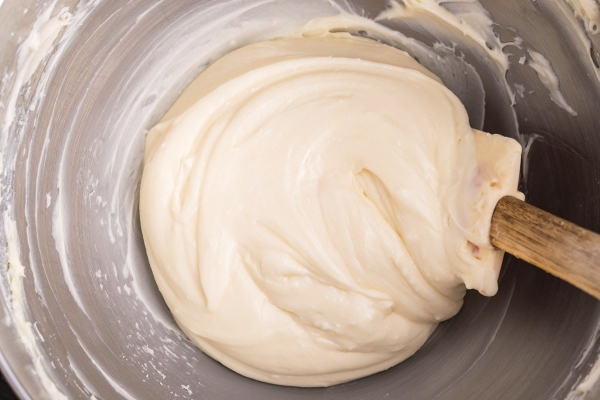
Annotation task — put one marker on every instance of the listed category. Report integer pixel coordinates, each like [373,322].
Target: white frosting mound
[313,207]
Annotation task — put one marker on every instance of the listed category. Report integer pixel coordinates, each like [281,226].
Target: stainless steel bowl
[99,323]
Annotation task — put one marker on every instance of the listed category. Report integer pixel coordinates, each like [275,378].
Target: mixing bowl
[85,319]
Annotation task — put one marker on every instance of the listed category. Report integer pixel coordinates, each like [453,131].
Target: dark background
[6,392]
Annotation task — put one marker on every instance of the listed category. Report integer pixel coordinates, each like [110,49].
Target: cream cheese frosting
[313,207]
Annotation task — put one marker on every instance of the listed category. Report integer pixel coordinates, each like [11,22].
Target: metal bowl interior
[100,323]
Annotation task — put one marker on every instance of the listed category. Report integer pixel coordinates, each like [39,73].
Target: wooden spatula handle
[557,246]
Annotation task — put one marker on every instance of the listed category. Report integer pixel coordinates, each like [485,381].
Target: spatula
[557,246]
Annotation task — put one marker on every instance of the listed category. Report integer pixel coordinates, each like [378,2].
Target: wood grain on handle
[548,242]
